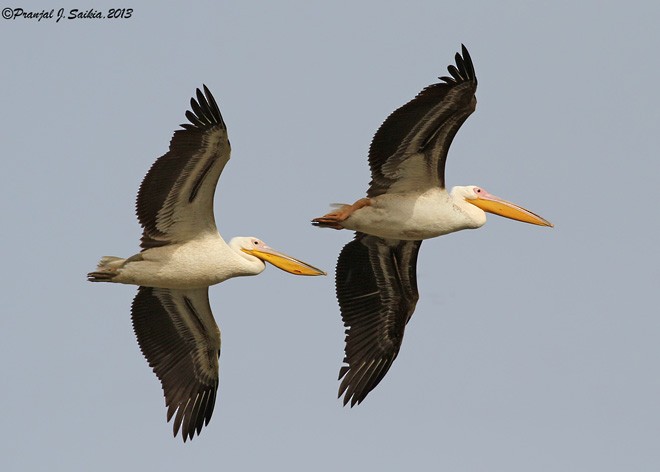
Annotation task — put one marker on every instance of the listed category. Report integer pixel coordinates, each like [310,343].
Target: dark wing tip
[192,417]
[361,380]
[463,71]
[204,113]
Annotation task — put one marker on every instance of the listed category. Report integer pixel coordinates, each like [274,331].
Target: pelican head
[257,249]
[488,202]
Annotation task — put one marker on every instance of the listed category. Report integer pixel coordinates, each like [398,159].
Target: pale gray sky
[530,350]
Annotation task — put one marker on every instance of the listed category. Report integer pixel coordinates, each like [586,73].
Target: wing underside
[175,200]
[410,148]
[377,293]
[180,339]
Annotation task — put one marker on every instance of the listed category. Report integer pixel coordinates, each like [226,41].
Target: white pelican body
[201,262]
[182,255]
[406,203]
[415,215]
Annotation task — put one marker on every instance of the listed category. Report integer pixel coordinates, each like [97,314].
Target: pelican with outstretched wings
[182,255]
[407,202]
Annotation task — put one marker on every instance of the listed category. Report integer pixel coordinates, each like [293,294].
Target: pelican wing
[180,339]
[377,291]
[175,200]
[410,148]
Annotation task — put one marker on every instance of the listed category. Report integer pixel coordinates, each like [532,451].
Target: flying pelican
[407,202]
[182,255]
